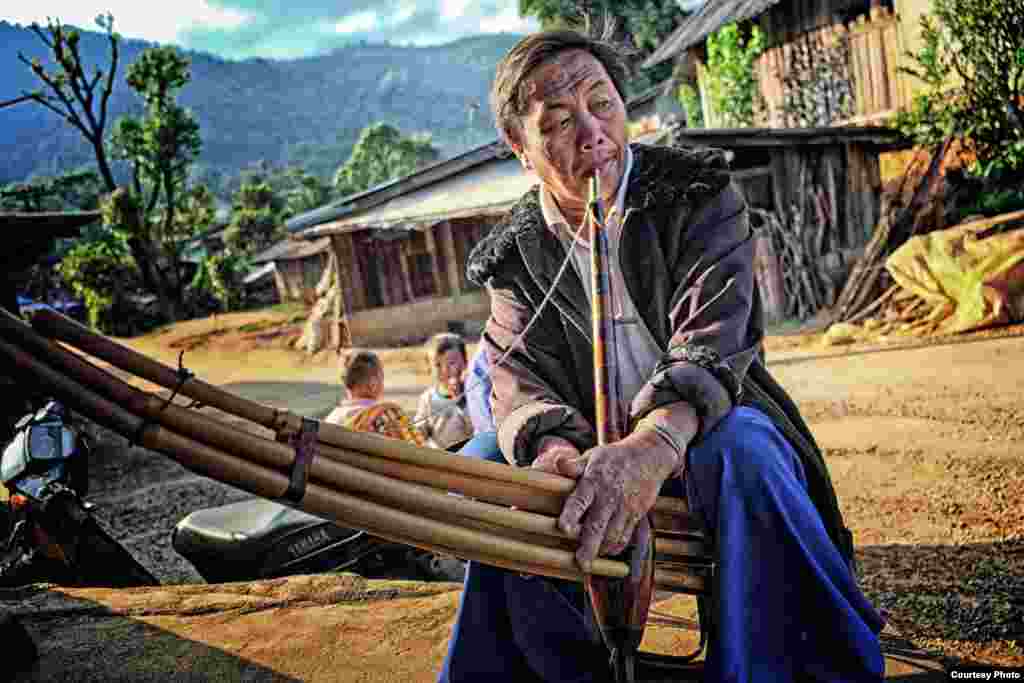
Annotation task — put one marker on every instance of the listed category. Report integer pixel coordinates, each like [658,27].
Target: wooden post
[403,258]
[356,283]
[343,283]
[451,259]
[435,263]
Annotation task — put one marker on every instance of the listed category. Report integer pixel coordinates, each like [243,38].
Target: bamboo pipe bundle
[399,493]
[380,520]
[468,513]
[60,327]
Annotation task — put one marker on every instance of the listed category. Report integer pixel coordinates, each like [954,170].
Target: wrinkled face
[575,124]
[451,366]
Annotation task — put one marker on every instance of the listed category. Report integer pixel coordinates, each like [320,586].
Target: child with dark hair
[361,409]
[442,409]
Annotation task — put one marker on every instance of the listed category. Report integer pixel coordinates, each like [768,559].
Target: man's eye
[564,123]
[601,105]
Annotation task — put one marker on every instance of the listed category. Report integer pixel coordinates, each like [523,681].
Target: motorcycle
[263,539]
[51,534]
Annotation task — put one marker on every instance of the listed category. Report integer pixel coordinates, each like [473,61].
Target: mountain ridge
[305,110]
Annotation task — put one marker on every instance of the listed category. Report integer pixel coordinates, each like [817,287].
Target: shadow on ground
[82,640]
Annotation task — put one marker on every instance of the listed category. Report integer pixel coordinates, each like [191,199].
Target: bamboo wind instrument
[389,488]
[619,605]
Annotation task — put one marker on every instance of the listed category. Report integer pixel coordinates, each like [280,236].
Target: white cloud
[358,22]
[453,9]
[508,21]
[156,21]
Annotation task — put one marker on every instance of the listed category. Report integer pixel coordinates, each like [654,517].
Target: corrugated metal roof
[291,250]
[257,274]
[53,223]
[712,16]
[490,188]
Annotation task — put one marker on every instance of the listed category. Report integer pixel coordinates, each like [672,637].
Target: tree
[99,270]
[73,95]
[382,153]
[972,66]
[158,147]
[730,78]
[305,192]
[256,216]
[644,23]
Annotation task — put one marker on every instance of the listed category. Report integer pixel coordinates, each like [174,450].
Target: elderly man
[706,419]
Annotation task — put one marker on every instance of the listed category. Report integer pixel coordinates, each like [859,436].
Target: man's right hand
[556,455]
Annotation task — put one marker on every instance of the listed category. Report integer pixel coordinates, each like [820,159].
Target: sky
[281,29]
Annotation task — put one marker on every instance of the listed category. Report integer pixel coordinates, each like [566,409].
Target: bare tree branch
[16,100]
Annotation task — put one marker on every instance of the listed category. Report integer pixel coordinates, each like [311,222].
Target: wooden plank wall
[875,53]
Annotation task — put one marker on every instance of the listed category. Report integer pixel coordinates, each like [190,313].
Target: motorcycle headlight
[44,442]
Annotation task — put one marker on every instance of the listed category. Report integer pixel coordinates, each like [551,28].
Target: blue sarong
[788,605]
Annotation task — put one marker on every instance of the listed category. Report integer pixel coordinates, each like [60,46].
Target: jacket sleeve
[524,402]
[715,321]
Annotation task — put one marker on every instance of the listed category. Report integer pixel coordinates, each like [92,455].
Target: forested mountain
[308,111]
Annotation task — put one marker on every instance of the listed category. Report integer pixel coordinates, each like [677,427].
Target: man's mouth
[603,168]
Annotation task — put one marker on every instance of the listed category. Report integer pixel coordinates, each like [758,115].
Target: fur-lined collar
[661,176]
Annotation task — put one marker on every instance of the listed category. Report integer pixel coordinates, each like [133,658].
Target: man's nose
[591,137]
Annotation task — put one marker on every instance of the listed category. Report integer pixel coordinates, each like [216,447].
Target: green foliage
[381,154]
[256,217]
[992,203]
[220,277]
[690,99]
[72,191]
[305,192]
[99,269]
[645,23]
[730,79]
[972,68]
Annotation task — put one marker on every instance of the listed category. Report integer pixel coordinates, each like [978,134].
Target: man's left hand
[618,488]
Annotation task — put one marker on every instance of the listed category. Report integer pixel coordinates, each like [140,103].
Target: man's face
[575,123]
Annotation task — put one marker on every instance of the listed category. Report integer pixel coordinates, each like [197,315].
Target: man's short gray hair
[509,99]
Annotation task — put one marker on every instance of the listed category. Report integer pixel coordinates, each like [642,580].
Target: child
[362,410]
[442,410]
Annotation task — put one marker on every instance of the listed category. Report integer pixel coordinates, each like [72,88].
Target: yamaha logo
[308,543]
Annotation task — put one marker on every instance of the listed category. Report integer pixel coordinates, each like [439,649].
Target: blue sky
[282,29]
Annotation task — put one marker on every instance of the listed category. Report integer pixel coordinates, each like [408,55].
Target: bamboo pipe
[377,519]
[51,323]
[337,467]
[399,493]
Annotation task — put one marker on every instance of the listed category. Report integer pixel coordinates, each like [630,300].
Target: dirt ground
[925,445]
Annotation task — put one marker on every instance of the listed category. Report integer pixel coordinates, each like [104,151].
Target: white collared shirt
[637,351]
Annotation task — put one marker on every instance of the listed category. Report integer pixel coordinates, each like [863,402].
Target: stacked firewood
[797,239]
[861,295]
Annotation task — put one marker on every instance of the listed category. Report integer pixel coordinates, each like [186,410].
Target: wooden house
[878,34]
[296,266]
[402,247]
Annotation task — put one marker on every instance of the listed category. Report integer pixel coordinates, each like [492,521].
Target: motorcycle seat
[266,539]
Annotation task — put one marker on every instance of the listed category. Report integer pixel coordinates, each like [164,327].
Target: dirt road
[926,448]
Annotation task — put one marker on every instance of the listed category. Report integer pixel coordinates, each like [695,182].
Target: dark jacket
[687,260]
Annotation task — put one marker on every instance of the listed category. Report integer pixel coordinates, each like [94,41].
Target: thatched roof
[292,250]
